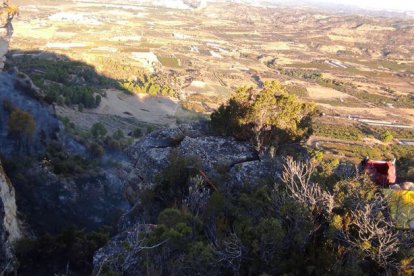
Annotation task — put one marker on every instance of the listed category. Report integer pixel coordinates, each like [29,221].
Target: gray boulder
[151,154]
[254,172]
[216,154]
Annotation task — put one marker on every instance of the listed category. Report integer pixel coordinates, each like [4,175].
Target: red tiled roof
[381,172]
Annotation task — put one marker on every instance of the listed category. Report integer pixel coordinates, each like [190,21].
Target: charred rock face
[46,126]
[51,203]
[48,201]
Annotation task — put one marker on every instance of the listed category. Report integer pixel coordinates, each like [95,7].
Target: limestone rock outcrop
[215,154]
[10,230]
[224,160]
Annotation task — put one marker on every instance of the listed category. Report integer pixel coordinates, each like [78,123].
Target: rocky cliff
[10,230]
[217,154]
[222,160]
[49,201]
[46,201]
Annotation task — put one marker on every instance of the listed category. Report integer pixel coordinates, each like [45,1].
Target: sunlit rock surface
[10,230]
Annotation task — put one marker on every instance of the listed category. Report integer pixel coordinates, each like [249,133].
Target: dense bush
[293,227]
[269,117]
[63,163]
[386,136]
[399,133]
[96,150]
[118,135]
[70,95]
[98,130]
[72,251]
[137,133]
[66,82]
[21,124]
[148,84]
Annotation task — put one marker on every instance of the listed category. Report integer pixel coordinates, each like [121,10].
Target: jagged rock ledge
[217,155]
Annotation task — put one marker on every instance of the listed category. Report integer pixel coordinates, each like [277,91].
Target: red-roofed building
[381,172]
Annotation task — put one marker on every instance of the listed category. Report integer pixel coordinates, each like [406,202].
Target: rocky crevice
[244,161]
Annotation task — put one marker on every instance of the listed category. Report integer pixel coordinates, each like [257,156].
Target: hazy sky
[402,5]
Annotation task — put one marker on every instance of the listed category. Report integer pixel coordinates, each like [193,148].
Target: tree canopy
[386,136]
[98,130]
[21,124]
[269,117]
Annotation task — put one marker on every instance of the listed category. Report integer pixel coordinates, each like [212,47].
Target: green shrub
[137,133]
[98,130]
[118,135]
[269,117]
[43,256]
[386,136]
[65,82]
[150,85]
[21,124]
[96,150]
[172,182]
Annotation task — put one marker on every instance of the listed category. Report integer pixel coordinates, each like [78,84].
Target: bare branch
[297,178]
[372,233]
[230,252]
[198,195]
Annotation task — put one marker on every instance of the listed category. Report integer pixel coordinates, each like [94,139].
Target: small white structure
[336,63]
[147,59]
[215,54]
[105,49]
[182,36]
[61,45]
[197,83]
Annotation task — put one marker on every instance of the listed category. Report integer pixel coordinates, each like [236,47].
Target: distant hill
[172,4]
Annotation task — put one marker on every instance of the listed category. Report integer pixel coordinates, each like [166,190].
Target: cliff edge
[10,230]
